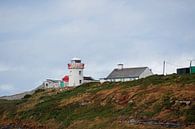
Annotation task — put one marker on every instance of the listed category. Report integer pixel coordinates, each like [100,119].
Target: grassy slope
[97,105]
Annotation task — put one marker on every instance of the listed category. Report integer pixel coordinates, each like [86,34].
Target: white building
[75,68]
[75,77]
[50,83]
[128,74]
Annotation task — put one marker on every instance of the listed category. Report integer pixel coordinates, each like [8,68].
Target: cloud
[4,68]
[6,89]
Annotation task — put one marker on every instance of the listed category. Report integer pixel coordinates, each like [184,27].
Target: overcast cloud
[38,38]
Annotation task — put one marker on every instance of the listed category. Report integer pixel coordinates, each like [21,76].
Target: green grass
[127,111]
[39,90]
[167,103]
[157,107]
[10,107]
[161,80]
[148,114]
[27,96]
[67,114]
[48,108]
[190,114]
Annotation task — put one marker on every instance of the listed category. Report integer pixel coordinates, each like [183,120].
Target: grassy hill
[154,102]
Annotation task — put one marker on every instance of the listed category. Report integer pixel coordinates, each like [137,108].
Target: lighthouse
[75,72]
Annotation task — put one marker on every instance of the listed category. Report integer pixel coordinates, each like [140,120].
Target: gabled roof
[126,73]
[88,78]
[54,81]
[75,58]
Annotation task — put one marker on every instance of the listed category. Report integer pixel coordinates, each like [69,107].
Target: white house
[49,83]
[128,74]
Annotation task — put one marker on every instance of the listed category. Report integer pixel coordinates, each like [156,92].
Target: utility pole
[191,65]
[164,63]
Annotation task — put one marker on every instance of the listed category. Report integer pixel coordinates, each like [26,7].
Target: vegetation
[190,114]
[27,96]
[150,98]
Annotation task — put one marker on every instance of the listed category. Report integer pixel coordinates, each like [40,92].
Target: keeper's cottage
[128,74]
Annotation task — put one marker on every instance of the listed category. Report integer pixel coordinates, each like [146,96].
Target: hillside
[156,102]
[20,95]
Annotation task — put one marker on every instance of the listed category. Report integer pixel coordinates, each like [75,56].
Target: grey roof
[88,78]
[126,73]
[54,81]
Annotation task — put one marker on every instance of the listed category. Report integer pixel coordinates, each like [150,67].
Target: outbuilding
[187,70]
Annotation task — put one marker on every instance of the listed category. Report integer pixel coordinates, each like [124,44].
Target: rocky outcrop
[168,124]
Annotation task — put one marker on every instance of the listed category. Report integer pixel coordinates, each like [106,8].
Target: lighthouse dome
[75,58]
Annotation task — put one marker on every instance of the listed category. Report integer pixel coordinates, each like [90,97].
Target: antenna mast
[164,64]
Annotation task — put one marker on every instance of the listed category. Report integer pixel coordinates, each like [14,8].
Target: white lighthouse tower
[76,72]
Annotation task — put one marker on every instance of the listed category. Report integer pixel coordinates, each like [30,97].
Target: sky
[38,38]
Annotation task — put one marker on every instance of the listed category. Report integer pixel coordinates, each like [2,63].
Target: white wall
[121,79]
[51,85]
[146,73]
[75,77]
[88,81]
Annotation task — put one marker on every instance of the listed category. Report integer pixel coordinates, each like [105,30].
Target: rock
[130,101]
[133,121]
[183,102]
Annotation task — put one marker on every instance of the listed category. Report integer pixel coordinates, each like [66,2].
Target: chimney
[120,66]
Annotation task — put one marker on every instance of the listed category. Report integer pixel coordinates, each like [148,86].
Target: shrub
[190,114]
[27,96]
[148,114]
[127,110]
[167,103]
[157,108]
[39,90]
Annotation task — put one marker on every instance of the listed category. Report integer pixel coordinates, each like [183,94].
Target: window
[80,81]
[80,72]
[77,61]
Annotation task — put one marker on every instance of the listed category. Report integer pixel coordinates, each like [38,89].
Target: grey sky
[38,38]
